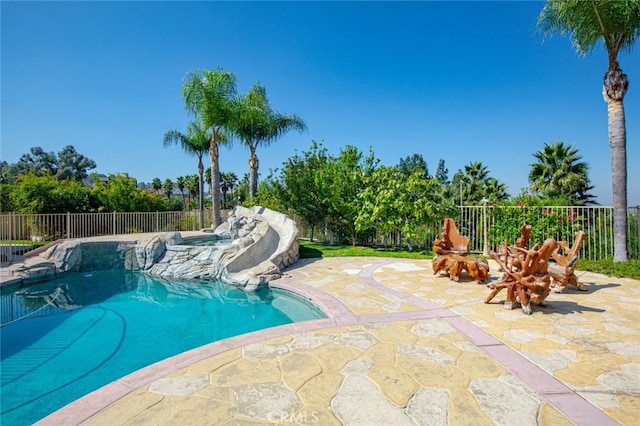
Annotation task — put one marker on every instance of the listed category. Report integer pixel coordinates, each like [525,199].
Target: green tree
[156,184]
[227,182]
[207,94]
[195,142]
[442,173]
[36,161]
[120,193]
[559,172]
[477,173]
[46,194]
[192,183]
[167,188]
[494,191]
[302,188]
[412,164]
[617,24]
[257,124]
[395,202]
[344,177]
[475,184]
[181,185]
[73,165]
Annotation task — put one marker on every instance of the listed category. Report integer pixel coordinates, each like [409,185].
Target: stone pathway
[400,347]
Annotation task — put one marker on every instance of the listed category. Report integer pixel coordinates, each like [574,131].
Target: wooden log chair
[526,280]
[522,242]
[450,241]
[454,265]
[451,250]
[562,271]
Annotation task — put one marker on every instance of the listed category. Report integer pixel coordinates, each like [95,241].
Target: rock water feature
[261,243]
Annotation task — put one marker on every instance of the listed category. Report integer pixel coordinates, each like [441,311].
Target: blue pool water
[65,338]
[207,240]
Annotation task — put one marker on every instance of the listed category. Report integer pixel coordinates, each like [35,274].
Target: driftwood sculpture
[454,265]
[562,271]
[450,241]
[521,242]
[526,275]
[525,236]
[451,250]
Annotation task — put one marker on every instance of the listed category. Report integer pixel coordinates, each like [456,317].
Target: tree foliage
[121,194]
[558,172]
[617,24]
[46,194]
[256,123]
[394,202]
[208,96]
[302,188]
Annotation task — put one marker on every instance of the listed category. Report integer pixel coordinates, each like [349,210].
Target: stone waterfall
[263,243]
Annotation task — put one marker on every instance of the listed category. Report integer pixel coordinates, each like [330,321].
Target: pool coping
[548,388]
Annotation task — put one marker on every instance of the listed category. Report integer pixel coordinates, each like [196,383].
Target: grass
[311,250]
[629,269]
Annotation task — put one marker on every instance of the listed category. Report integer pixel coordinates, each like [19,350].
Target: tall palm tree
[256,123]
[192,182]
[156,184]
[617,24]
[493,190]
[477,173]
[195,142]
[227,182]
[559,172]
[207,94]
[181,184]
[167,188]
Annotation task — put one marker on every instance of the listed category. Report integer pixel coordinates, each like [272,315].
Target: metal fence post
[68,225]
[114,223]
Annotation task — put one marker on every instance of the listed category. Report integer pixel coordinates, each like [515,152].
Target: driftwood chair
[451,250]
[450,241]
[562,271]
[527,278]
[522,242]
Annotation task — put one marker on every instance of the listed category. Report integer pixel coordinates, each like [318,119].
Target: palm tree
[192,182]
[181,184]
[156,184]
[227,181]
[195,142]
[560,173]
[617,24]
[207,94]
[256,123]
[167,188]
[493,190]
[477,173]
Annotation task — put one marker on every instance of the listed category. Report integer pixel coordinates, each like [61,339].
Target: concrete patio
[400,346]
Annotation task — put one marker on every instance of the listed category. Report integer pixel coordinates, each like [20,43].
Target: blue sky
[461,81]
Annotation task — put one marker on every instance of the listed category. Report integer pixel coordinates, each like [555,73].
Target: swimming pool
[65,338]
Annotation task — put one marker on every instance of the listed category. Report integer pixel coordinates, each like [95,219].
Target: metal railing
[486,227]
[20,228]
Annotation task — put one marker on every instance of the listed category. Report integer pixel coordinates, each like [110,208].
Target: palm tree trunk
[253,172]
[615,85]
[201,192]
[215,179]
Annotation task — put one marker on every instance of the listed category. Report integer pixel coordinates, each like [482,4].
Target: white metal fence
[486,227]
[16,229]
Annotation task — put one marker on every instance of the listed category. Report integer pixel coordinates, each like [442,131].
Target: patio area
[400,346]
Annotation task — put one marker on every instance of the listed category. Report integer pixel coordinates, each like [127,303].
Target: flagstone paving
[400,346]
